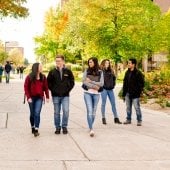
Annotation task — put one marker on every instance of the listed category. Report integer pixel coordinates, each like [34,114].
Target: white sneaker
[91,133]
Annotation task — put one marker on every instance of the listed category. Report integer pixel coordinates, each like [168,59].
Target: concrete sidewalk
[114,147]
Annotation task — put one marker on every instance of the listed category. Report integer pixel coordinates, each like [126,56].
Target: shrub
[120,93]
[120,77]
[76,67]
[157,85]
[167,103]
[50,66]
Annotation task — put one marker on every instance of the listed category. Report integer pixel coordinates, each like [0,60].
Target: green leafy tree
[164,33]
[13,8]
[3,54]
[48,44]
[112,28]
[15,56]
[3,57]
[45,47]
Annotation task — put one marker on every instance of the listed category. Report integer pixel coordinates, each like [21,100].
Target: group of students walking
[96,80]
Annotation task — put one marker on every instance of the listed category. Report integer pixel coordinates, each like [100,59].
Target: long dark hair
[102,66]
[94,70]
[34,72]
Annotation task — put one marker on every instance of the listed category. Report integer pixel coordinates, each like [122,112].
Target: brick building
[10,45]
[164,4]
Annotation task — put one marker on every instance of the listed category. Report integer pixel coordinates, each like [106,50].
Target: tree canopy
[13,8]
[113,29]
[15,56]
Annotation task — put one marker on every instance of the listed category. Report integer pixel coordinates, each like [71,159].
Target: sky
[23,30]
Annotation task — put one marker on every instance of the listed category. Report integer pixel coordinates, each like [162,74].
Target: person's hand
[47,100]
[96,87]
[29,100]
[88,80]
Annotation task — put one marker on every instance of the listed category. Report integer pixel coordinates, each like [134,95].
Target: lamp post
[5,45]
[6,42]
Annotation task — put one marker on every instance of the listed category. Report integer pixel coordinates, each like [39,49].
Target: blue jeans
[136,104]
[91,101]
[21,76]
[111,96]
[58,102]
[0,78]
[35,110]
[7,75]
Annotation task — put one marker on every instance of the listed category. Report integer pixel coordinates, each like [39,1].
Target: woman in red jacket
[35,85]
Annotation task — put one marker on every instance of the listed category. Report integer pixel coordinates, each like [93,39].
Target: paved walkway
[114,147]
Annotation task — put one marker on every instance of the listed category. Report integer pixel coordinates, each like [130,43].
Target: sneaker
[91,133]
[33,130]
[127,122]
[117,121]
[104,121]
[65,131]
[36,133]
[139,123]
[58,130]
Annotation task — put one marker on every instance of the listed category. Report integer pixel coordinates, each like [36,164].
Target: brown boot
[104,121]
[36,133]
[139,123]
[127,122]
[117,121]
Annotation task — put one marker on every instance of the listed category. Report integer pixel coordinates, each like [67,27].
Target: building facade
[163,4]
[10,45]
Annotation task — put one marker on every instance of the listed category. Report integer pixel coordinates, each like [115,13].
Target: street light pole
[6,42]
[5,48]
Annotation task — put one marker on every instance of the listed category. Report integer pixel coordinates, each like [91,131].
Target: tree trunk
[145,64]
[116,69]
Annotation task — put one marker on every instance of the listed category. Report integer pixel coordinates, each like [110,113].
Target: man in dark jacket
[133,84]
[8,68]
[60,82]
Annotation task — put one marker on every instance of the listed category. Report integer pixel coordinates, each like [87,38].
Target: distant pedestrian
[92,83]
[13,69]
[109,84]
[133,85]
[17,69]
[8,68]
[1,72]
[21,71]
[35,85]
[60,82]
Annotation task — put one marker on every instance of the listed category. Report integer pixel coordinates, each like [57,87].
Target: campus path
[114,147]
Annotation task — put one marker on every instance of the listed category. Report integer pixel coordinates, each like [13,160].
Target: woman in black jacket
[109,84]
